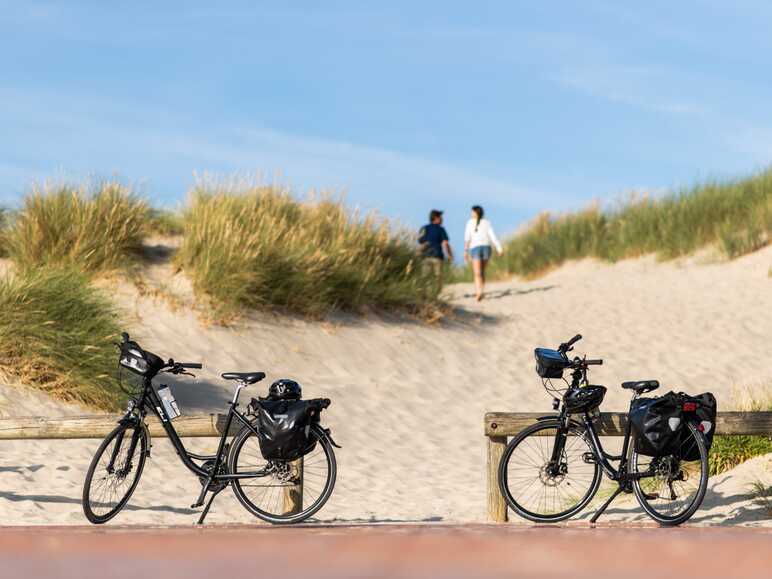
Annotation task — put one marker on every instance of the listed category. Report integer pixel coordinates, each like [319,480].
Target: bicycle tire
[503,473]
[646,499]
[140,454]
[244,436]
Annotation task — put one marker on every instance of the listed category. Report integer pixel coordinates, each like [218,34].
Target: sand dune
[408,399]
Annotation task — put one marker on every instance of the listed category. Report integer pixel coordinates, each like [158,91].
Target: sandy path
[408,400]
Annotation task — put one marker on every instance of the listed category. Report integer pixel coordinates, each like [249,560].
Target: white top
[482,234]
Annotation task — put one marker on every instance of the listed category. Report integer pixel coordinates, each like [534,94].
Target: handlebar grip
[192,365]
[597,362]
[124,337]
[574,340]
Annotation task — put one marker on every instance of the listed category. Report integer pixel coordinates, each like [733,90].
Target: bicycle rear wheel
[539,492]
[291,491]
[676,490]
[114,472]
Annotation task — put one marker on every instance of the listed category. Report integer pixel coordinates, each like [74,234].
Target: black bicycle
[277,491]
[551,470]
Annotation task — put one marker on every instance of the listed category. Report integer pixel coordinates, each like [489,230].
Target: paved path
[375,551]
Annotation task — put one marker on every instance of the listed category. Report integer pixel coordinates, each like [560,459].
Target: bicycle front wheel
[676,487]
[543,492]
[289,491]
[114,473]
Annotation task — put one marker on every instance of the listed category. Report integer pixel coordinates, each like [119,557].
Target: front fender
[132,420]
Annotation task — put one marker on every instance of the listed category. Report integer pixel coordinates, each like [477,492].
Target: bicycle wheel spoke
[542,490]
[304,483]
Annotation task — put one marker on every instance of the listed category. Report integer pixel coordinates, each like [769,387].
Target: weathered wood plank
[293,494]
[497,506]
[613,423]
[98,426]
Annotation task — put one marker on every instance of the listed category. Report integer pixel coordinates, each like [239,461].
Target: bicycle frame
[149,401]
[619,474]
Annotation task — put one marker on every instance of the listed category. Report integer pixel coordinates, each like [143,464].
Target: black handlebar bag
[284,427]
[656,425]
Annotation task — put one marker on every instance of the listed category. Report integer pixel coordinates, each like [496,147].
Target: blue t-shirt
[431,237]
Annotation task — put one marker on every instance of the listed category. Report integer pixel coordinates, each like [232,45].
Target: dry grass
[92,228]
[735,215]
[250,246]
[57,334]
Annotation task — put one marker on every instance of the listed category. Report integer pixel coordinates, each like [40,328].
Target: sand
[408,399]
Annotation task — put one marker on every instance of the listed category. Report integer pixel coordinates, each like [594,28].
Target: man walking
[434,244]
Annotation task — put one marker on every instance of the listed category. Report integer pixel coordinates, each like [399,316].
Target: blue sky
[518,106]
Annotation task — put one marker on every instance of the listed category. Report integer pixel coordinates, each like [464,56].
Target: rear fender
[327,433]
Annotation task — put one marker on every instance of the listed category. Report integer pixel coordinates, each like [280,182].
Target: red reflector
[690,406]
[700,427]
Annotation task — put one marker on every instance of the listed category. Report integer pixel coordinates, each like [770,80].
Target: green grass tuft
[729,451]
[95,229]
[735,215]
[257,247]
[165,222]
[57,334]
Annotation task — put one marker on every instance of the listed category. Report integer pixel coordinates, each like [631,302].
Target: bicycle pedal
[651,496]
[196,505]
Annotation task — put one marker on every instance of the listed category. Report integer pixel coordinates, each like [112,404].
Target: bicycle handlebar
[193,365]
[566,346]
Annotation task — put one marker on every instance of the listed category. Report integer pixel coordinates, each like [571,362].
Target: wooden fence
[99,426]
[500,425]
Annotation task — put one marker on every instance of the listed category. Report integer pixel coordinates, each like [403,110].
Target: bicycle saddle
[641,386]
[247,377]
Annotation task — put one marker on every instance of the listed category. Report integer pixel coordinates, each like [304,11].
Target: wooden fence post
[497,506]
[293,494]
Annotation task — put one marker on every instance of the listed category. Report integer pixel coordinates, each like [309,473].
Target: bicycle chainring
[215,485]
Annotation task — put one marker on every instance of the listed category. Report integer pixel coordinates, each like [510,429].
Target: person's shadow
[509,292]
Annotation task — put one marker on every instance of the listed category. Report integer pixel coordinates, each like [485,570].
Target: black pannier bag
[656,424]
[700,410]
[550,363]
[284,426]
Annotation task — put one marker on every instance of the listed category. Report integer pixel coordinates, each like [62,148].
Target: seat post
[239,387]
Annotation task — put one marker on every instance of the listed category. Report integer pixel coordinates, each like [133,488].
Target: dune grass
[735,215]
[729,451]
[164,222]
[92,228]
[248,246]
[57,334]
[3,232]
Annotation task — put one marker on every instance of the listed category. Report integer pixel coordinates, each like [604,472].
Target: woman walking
[478,238]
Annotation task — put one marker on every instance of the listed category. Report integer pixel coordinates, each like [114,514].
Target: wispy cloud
[641,87]
[89,134]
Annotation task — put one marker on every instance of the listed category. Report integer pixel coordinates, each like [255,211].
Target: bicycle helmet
[285,389]
[584,399]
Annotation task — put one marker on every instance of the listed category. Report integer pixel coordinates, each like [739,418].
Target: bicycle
[283,488]
[552,469]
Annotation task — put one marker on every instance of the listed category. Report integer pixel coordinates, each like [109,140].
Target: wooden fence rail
[500,425]
[99,426]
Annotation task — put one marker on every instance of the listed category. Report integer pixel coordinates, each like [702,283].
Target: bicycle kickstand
[605,505]
[208,506]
